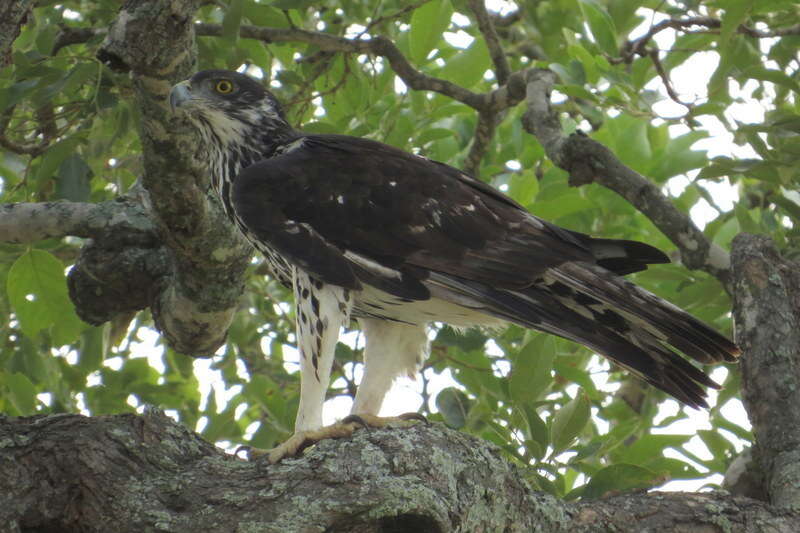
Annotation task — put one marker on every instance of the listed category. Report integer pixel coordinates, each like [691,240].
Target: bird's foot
[344,428]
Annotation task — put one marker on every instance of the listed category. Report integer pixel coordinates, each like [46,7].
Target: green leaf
[22,393]
[736,12]
[292,4]
[719,446]
[677,157]
[531,373]
[467,67]
[629,139]
[619,477]
[454,406]
[428,22]
[262,15]
[231,21]
[536,427]
[601,24]
[775,76]
[12,95]
[74,176]
[586,59]
[55,155]
[577,91]
[431,134]
[93,349]
[37,291]
[523,186]
[569,421]
[648,447]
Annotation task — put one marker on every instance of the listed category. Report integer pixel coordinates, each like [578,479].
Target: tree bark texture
[147,473]
[12,16]
[767,313]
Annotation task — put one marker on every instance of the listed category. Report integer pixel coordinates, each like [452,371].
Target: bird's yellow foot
[344,428]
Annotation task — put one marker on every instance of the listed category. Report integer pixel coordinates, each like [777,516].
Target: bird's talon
[243,448]
[414,416]
[355,419]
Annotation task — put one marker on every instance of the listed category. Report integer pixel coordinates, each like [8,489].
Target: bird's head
[227,106]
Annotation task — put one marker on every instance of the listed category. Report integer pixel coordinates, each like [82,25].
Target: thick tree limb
[155,41]
[12,16]
[767,311]
[118,272]
[587,160]
[30,222]
[142,473]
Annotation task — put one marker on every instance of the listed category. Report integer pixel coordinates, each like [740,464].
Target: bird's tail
[634,328]
[649,327]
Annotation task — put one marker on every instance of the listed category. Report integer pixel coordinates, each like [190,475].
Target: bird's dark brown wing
[338,205]
[353,212]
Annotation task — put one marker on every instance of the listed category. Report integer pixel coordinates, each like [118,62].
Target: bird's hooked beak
[180,94]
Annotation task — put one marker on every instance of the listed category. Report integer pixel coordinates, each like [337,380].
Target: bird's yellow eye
[224,87]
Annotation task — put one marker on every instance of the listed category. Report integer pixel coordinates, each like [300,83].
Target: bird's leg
[392,349]
[321,311]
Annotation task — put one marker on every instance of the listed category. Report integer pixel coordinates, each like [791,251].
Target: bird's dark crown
[232,90]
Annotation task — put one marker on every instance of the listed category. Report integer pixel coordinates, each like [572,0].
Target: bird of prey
[359,229]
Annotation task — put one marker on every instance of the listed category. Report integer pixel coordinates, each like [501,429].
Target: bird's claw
[344,428]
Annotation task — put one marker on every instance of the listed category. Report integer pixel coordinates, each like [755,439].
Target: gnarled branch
[139,473]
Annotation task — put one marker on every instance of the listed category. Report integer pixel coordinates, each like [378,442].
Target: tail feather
[664,320]
[625,257]
[588,304]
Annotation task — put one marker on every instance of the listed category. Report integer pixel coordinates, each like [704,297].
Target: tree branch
[155,41]
[587,160]
[484,131]
[31,149]
[118,272]
[30,222]
[501,69]
[13,16]
[379,46]
[139,473]
[639,46]
[767,312]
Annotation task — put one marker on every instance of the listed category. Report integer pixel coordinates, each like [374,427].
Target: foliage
[68,133]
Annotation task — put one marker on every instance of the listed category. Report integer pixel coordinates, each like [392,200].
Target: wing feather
[405,212]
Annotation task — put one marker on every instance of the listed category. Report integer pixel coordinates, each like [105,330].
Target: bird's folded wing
[352,210]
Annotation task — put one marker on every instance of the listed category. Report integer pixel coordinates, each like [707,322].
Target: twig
[486,26]
[397,14]
[68,35]
[665,78]
[484,131]
[380,46]
[32,149]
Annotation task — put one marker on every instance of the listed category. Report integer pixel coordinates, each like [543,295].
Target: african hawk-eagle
[359,229]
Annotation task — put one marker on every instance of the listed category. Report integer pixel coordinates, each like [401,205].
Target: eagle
[361,230]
